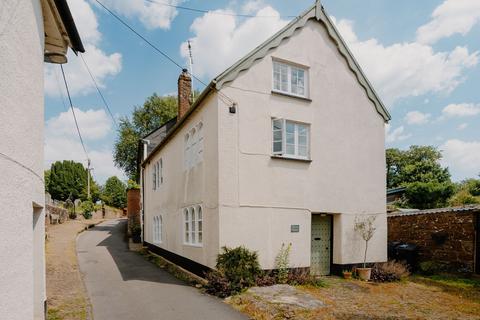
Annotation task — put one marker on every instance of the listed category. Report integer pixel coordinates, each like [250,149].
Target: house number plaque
[294,228]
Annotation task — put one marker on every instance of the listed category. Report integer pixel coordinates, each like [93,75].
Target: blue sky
[421,56]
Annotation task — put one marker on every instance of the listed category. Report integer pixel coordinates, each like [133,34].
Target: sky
[422,57]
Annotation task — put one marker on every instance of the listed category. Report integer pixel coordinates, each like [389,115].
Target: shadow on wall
[130,264]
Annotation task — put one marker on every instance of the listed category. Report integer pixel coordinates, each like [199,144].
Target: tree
[428,185]
[46,178]
[154,113]
[365,227]
[67,180]
[114,193]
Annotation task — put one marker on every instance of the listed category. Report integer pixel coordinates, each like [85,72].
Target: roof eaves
[317,12]
[67,20]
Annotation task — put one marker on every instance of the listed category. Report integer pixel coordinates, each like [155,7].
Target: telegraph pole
[88,179]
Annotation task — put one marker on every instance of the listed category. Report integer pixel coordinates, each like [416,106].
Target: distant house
[448,237]
[31,32]
[395,194]
[285,146]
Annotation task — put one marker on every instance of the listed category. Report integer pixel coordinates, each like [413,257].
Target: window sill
[274,92]
[193,245]
[290,158]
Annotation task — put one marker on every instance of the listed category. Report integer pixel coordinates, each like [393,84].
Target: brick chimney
[184,93]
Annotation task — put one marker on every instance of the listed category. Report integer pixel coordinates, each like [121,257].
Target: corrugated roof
[413,212]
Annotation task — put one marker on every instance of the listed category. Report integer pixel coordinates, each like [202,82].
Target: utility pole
[88,179]
[190,60]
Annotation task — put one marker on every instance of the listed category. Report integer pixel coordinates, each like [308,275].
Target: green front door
[321,244]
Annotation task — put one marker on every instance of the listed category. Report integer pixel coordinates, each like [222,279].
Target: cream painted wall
[260,197]
[22,265]
[181,189]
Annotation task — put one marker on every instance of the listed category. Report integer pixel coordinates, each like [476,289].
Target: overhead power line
[107,108]
[165,55]
[209,11]
[73,112]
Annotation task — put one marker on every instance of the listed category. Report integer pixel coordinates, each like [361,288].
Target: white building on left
[31,32]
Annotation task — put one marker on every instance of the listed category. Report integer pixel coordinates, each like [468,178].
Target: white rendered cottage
[285,146]
[31,32]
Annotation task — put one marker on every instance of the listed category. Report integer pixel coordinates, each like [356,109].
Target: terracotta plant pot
[347,275]
[364,273]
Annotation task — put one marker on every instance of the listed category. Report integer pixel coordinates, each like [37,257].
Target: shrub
[389,271]
[430,267]
[282,263]
[237,269]
[87,207]
[302,277]
[218,284]
[240,266]
[266,279]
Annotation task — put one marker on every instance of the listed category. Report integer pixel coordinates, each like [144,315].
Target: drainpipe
[142,177]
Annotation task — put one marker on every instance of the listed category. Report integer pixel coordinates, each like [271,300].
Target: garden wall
[445,236]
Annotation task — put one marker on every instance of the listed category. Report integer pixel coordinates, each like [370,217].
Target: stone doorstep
[284,294]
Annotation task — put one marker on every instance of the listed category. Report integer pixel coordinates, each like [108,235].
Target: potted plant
[136,231]
[366,229]
[347,274]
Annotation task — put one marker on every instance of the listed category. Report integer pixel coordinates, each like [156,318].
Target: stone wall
[55,214]
[447,238]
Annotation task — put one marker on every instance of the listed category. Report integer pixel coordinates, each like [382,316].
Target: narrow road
[123,286]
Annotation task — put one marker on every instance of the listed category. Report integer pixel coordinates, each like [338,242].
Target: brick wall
[447,238]
[133,207]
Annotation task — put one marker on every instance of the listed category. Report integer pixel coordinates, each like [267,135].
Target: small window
[290,139]
[290,79]
[193,225]
[160,171]
[157,229]
[193,153]
[154,176]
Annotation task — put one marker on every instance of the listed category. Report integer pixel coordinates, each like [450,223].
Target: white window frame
[283,151]
[157,229]
[192,220]
[193,153]
[290,68]
[160,172]
[154,177]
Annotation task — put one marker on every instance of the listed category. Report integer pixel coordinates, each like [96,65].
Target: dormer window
[290,79]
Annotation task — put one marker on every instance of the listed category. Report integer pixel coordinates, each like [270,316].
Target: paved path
[124,286]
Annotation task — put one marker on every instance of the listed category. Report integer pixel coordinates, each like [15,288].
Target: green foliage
[114,193]
[155,112]
[282,263]
[238,267]
[136,230]
[419,170]
[87,208]
[132,185]
[430,267]
[46,178]
[463,197]
[67,179]
[427,195]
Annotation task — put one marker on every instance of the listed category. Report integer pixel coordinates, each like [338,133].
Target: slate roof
[414,212]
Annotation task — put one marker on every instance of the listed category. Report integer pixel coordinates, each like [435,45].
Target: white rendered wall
[180,189]
[22,265]
[261,197]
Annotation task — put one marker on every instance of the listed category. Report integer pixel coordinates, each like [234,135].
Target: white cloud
[408,69]
[62,142]
[417,117]
[449,18]
[94,124]
[396,134]
[462,126]
[462,157]
[461,110]
[152,15]
[101,64]
[252,6]
[220,40]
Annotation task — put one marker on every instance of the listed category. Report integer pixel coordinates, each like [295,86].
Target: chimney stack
[184,93]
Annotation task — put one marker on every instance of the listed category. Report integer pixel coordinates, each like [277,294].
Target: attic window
[290,79]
